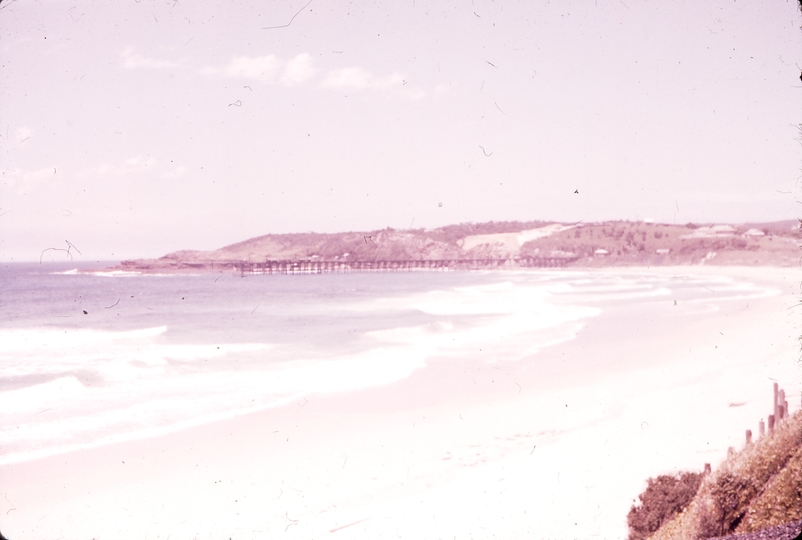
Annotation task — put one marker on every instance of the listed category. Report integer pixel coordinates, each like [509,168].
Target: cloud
[359,79]
[133,61]
[175,173]
[352,77]
[24,180]
[260,68]
[131,166]
[136,167]
[396,80]
[298,70]
[440,90]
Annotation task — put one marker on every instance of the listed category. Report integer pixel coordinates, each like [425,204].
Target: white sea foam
[513,320]
[102,386]
[16,340]
[48,418]
[40,396]
[35,351]
[120,273]
[115,273]
[111,384]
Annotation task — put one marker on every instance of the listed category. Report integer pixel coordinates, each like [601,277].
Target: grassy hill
[613,243]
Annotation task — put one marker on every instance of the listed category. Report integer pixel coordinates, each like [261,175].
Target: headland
[490,245]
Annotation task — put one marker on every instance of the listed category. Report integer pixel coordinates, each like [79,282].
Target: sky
[133,128]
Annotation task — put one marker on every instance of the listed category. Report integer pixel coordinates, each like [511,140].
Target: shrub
[738,243]
[729,497]
[665,497]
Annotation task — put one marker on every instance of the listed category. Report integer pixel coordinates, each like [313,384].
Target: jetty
[316,266]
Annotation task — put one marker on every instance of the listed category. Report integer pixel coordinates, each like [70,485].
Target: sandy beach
[394,270]
[553,448]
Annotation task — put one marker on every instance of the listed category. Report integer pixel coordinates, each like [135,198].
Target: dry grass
[756,488]
[636,243]
[781,500]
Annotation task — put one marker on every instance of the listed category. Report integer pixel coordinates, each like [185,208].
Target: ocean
[89,358]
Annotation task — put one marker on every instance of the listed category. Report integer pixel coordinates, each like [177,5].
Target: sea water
[94,357]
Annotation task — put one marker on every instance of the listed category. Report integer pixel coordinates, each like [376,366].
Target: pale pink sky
[134,128]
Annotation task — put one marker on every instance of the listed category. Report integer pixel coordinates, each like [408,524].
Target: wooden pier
[317,266]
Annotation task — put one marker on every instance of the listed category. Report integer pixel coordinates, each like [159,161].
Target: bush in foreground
[665,497]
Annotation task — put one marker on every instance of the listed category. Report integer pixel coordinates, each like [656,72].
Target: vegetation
[665,497]
[612,243]
[759,487]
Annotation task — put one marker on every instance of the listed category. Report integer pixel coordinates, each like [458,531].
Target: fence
[779,414]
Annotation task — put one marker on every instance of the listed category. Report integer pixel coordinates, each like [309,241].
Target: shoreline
[448,450]
[785,265]
[456,265]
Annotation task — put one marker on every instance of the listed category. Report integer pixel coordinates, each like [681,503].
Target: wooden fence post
[707,468]
[762,429]
[748,436]
[771,423]
[776,404]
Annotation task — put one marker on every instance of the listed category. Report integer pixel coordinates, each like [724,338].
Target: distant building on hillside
[601,252]
[754,232]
